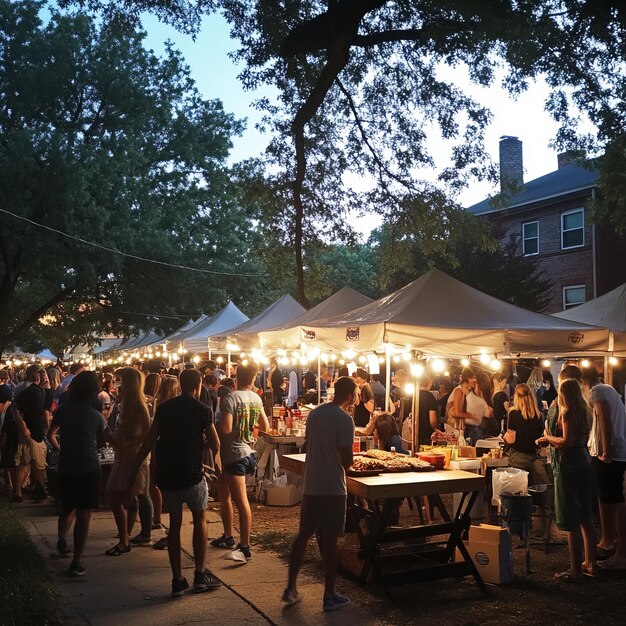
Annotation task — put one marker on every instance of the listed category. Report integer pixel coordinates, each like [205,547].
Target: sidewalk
[135,588]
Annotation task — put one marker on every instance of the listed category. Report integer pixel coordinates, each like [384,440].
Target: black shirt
[526,432]
[182,422]
[428,403]
[31,402]
[499,412]
[309,382]
[361,414]
[277,380]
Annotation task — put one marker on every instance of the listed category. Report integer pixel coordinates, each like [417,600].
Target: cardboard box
[491,549]
[282,496]
[467,452]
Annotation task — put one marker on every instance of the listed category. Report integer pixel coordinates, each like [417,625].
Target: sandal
[568,577]
[604,553]
[590,572]
[117,550]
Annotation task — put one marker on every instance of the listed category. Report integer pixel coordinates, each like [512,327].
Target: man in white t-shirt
[329,439]
[607,446]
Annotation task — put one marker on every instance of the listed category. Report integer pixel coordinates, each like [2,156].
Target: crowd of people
[170,429]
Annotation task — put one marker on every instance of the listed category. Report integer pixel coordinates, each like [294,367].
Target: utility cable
[126,254]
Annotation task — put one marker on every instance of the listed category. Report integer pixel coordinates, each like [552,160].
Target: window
[530,238]
[573,229]
[573,296]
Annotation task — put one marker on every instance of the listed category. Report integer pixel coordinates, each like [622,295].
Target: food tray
[355,474]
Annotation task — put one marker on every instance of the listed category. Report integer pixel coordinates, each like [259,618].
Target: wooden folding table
[410,562]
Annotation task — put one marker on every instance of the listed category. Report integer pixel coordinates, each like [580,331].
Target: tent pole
[608,368]
[319,379]
[208,341]
[387,380]
[415,415]
[228,368]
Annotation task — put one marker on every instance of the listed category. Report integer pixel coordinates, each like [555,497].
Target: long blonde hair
[574,409]
[134,412]
[525,402]
[170,388]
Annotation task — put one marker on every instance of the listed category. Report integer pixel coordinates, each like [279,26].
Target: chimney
[570,157]
[511,164]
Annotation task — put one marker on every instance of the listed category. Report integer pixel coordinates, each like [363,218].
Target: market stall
[380,495]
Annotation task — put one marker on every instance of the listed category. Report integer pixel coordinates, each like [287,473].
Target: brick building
[549,219]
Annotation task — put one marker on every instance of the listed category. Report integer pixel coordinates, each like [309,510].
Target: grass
[27,595]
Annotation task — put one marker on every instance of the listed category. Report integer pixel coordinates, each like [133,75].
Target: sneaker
[245,551]
[161,544]
[62,548]
[290,597]
[204,581]
[19,500]
[179,587]
[223,542]
[335,603]
[76,569]
[140,540]
[157,526]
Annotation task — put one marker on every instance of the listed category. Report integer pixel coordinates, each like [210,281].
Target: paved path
[135,588]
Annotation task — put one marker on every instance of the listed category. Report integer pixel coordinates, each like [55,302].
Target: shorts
[79,491]
[609,480]
[195,497]
[325,515]
[34,452]
[244,466]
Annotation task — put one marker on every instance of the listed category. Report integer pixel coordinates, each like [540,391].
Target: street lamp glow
[465,362]
[585,363]
[545,363]
[495,364]
[484,359]
[196,359]
[613,360]
[409,389]
[219,360]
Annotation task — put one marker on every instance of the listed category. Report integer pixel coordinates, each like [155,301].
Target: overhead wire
[126,254]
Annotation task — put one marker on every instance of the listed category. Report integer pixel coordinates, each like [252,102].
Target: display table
[267,467]
[381,495]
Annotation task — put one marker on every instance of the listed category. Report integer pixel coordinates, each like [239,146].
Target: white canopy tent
[439,315]
[607,310]
[46,354]
[290,335]
[283,311]
[197,338]
[185,328]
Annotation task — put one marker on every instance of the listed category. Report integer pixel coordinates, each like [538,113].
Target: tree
[102,141]
[472,254]
[362,91]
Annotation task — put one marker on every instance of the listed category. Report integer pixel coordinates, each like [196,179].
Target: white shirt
[616,419]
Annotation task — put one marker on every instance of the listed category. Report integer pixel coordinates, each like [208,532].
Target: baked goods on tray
[381,461]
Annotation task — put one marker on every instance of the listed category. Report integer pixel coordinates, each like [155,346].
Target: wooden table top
[281,438]
[402,484]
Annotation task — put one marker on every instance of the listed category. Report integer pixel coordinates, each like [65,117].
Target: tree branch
[381,166]
[35,315]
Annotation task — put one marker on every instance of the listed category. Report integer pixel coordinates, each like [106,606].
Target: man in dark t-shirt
[182,429]
[34,406]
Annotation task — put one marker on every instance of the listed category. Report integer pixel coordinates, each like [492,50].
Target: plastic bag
[508,480]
